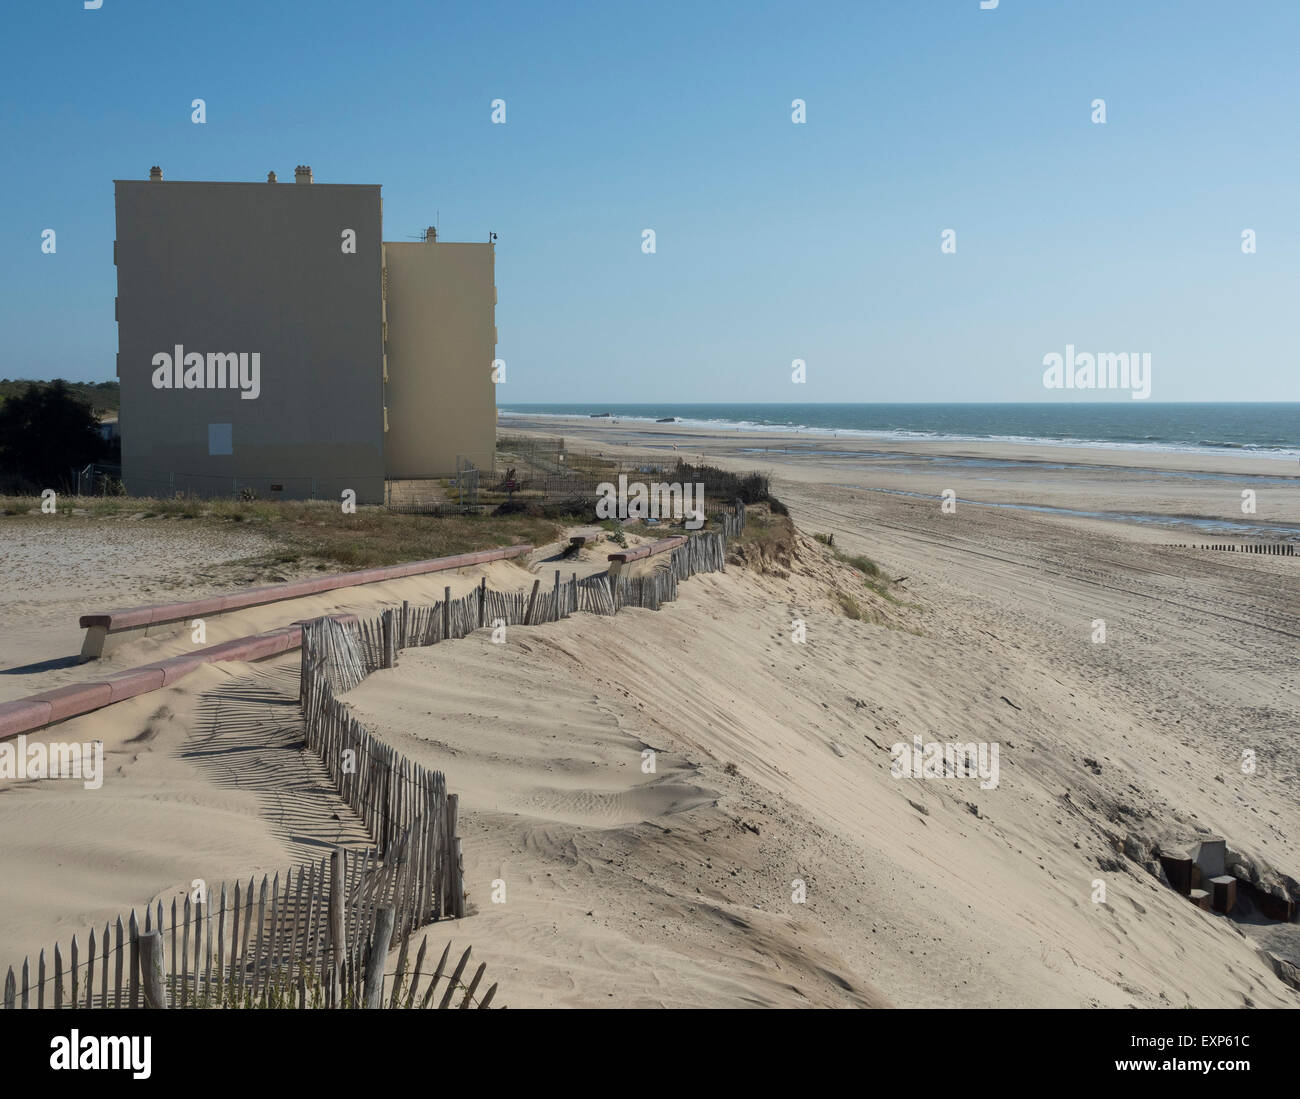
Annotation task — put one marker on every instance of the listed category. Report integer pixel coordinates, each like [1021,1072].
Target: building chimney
[430,235]
[302,173]
[155,174]
[270,177]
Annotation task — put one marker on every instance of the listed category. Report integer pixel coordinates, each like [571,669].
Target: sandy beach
[1109,480]
[664,509]
[676,887]
[1105,745]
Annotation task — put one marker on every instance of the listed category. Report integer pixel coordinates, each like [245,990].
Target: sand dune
[624,887]
[913,899]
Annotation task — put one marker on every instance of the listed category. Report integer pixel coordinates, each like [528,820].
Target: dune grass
[849,605]
[307,530]
[871,572]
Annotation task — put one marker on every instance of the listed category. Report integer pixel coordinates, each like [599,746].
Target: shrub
[850,605]
[45,432]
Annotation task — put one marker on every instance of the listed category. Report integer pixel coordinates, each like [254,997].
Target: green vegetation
[616,532]
[772,534]
[536,470]
[721,486]
[864,565]
[871,574]
[47,433]
[313,531]
[101,396]
[850,606]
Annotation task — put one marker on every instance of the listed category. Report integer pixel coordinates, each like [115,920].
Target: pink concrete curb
[24,715]
[137,681]
[156,613]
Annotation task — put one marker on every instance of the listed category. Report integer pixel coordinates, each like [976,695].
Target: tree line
[50,430]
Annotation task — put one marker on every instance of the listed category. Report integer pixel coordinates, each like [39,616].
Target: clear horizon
[775,241]
[1263,428]
[723,404]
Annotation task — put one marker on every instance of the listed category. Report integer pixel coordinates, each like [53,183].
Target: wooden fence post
[383,935]
[151,969]
[390,626]
[455,885]
[338,887]
[454,981]
[118,960]
[459,896]
[528,616]
[473,986]
[133,927]
[446,613]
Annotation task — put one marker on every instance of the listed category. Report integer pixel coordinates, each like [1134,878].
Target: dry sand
[56,569]
[675,888]
[921,893]
[627,888]
[204,779]
[56,573]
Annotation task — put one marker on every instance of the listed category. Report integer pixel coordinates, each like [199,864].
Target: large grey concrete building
[254,345]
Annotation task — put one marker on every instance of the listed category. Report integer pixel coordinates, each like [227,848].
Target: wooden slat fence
[273,943]
[404,806]
[417,626]
[267,944]
[732,522]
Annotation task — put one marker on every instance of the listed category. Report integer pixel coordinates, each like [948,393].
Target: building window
[220,440]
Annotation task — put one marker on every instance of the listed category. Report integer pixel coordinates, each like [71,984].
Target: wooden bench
[618,560]
[99,625]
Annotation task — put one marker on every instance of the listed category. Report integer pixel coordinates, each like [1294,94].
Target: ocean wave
[1152,443]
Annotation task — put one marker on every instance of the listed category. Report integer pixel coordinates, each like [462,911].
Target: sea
[1262,430]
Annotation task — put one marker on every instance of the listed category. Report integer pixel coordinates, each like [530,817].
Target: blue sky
[775,241]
